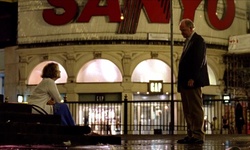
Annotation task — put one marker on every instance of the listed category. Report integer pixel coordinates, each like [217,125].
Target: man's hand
[190,82]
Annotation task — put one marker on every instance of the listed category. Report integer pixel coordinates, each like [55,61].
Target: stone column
[70,92]
[70,67]
[11,73]
[71,82]
[127,86]
[126,63]
[22,69]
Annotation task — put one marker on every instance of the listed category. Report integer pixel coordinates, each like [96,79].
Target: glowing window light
[151,69]
[19,98]
[99,70]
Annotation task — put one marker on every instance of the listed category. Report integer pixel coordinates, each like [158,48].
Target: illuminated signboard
[155,87]
[226,99]
[71,20]
[156,13]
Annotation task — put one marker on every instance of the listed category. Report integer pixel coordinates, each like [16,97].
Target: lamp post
[172,70]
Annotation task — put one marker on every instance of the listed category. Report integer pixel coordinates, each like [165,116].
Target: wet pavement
[154,142]
[169,142]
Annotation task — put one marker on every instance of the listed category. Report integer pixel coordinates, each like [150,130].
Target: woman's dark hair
[50,71]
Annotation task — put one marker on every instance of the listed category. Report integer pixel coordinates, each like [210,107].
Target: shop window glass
[35,76]
[99,70]
[152,69]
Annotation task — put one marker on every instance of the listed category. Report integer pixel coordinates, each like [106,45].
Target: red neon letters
[70,11]
[189,7]
[226,20]
[92,8]
[152,9]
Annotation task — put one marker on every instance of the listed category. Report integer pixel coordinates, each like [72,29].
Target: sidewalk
[169,142]
[154,142]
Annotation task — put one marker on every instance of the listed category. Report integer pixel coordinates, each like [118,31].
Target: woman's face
[58,73]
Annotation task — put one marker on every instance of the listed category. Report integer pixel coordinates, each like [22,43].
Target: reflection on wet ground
[155,142]
[168,142]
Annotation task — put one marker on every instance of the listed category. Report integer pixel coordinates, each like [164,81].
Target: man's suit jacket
[193,64]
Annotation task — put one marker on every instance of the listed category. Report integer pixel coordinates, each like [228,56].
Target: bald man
[192,76]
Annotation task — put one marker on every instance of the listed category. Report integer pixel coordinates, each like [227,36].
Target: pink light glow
[99,70]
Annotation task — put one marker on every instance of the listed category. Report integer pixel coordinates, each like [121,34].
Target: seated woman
[47,96]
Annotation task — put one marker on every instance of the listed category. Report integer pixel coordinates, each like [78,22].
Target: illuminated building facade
[111,48]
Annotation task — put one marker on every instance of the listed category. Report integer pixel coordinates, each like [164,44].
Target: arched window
[212,78]
[154,69]
[151,69]
[35,76]
[99,70]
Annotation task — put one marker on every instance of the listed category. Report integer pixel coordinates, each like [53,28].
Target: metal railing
[154,116]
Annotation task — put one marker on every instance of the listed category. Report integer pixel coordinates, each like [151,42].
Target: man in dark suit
[192,76]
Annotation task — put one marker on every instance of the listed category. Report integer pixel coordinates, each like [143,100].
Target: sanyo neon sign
[156,13]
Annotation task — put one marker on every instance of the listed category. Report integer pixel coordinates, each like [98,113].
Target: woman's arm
[53,91]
